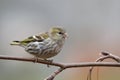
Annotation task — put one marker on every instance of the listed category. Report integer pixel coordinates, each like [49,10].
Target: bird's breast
[46,49]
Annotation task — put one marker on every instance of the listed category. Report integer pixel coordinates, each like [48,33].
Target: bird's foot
[50,61]
[36,59]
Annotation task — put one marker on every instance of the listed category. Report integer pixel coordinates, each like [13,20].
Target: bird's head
[57,33]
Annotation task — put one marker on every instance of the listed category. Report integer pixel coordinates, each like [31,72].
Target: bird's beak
[65,36]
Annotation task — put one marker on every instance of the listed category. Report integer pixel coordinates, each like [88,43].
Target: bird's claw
[50,61]
[36,59]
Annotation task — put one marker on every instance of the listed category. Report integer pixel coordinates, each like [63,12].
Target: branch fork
[64,66]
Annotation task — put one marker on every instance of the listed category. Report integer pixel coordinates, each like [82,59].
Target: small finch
[45,45]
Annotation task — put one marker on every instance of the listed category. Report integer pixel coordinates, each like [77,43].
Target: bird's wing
[39,38]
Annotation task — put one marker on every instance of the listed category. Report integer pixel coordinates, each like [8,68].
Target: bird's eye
[60,33]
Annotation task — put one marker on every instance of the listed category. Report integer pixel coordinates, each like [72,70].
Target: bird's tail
[15,43]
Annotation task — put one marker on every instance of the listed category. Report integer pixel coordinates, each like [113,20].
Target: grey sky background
[93,26]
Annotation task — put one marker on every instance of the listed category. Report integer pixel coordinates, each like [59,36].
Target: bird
[44,45]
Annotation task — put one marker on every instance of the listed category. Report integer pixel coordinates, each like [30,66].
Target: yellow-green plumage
[38,38]
[44,45]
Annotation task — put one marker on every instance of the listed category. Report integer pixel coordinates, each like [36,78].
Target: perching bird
[45,45]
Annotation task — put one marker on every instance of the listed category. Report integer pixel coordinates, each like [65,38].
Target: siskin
[45,45]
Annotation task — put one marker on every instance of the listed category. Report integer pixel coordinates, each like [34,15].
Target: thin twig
[31,60]
[63,66]
[105,55]
[52,76]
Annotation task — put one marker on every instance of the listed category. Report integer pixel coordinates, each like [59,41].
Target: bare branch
[63,66]
[105,55]
[52,76]
[31,60]
[109,55]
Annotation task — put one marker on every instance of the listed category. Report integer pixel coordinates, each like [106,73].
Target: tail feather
[15,43]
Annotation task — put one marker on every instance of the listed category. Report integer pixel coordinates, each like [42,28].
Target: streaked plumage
[45,45]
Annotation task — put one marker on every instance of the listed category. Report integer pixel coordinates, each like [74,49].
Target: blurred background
[93,26]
